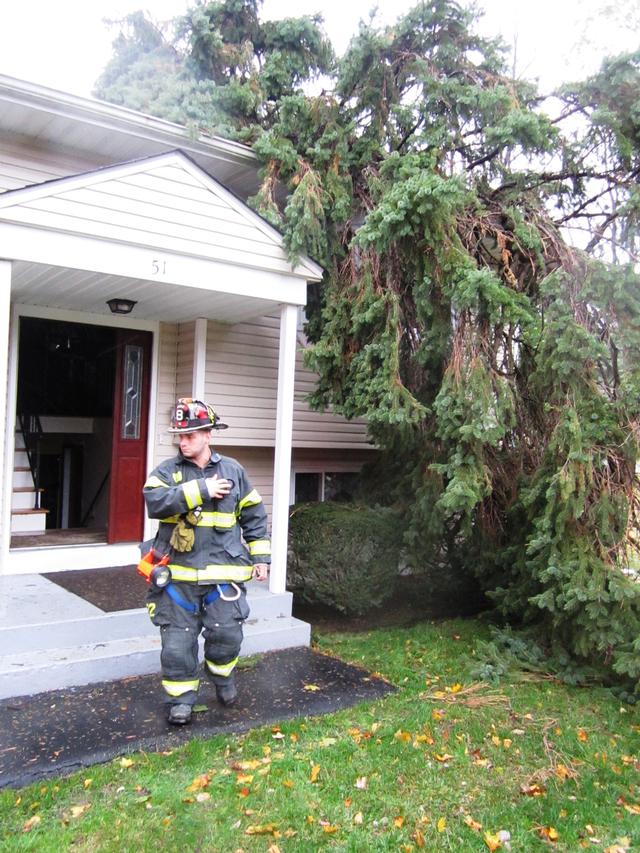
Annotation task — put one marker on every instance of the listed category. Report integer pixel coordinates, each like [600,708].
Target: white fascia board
[45,246]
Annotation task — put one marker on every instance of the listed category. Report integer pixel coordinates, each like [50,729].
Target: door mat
[61,731]
[113,589]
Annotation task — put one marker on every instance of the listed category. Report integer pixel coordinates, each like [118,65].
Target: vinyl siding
[242,383]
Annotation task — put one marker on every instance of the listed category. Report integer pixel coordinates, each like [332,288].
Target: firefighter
[212,538]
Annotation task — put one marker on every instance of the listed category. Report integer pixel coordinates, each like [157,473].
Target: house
[103,211]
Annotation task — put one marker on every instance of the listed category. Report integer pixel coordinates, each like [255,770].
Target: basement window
[325,486]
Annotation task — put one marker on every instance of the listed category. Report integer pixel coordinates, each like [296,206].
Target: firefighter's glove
[183,536]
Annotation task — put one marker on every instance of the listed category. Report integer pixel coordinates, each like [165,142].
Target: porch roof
[159,231]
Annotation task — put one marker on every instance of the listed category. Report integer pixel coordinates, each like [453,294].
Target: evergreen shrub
[343,555]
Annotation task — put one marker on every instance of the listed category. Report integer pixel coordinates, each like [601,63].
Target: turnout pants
[220,622]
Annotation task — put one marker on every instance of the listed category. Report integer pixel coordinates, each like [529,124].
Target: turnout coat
[230,533]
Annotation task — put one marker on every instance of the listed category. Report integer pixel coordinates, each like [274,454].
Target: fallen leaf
[398,822]
[550,833]
[358,818]
[200,709]
[472,824]
[418,837]
[199,783]
[287,783]
[492,840]
[251,764]
[311,688]
[203,796]
[403,737]
[443,757]
[621,845]
[79,810]
[533,790]
[315,772]
[330,829]
[87,783]
[582,735]
[28,825]
[273,848]
[328,741]
[442,824]
[262,829]
[126,762]
[563,772]
[244,792]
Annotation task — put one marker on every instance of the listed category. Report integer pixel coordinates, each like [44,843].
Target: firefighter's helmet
[190,415]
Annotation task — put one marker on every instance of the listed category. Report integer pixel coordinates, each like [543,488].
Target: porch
[53,638]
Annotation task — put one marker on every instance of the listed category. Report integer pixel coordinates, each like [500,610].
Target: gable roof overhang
[159,231]
[116,134]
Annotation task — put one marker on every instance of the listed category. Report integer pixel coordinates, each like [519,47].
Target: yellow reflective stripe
[208,519]
[251,499]
[154,482]
[260,548]
[192,493]
[211,573]
[179,688]
[218,519]
[221,668]
[177,476]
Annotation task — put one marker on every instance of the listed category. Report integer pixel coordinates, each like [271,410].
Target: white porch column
[284,432]
[6,429]
[199,359]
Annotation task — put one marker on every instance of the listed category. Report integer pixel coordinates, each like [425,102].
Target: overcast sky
[65,44]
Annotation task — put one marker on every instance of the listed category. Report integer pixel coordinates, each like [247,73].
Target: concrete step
[24,673]
[104,627]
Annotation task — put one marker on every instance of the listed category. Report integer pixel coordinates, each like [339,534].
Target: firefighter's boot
[179,715]
[226,689]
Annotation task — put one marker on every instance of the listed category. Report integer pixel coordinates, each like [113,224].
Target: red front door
[129,448]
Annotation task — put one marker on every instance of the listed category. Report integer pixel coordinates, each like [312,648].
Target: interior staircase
[26,514]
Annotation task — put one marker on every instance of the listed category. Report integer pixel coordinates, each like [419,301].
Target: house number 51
[158,267]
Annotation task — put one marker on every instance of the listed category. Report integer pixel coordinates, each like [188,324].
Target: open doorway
[82,412]
[65,402]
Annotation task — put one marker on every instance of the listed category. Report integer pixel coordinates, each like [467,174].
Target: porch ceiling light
[121,306]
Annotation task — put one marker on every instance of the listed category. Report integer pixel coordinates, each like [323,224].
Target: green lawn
[443,764]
